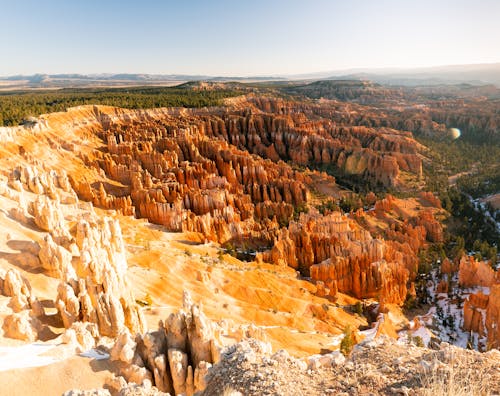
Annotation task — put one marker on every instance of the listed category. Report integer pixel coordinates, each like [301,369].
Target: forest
[18,106]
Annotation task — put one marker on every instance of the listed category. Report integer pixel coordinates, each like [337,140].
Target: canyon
[161,238]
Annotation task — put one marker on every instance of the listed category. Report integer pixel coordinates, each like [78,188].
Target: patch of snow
[30,355]
[370,333]
[476,289]
[424,333]
[480,203]
[445,318]
[95,354]
[336,340]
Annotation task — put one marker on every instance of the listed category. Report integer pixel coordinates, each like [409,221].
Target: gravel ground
[380,367]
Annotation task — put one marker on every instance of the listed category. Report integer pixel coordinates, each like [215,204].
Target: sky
[243,37]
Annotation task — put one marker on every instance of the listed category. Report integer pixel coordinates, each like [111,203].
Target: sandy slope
[163,265]
[54,379]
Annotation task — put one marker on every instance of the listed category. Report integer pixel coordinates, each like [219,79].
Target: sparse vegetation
[410,303]
[358,308]
[458,378]
[348,341]
[147,301]
[417,341]
[327,207]
[298,209]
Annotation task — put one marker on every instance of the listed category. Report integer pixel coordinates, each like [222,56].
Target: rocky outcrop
[383,365]
[177,356]
[81,336]
[41,182]
[221,173]
[482,315]
[100,198]
[21,326]
[49,217]
[474,310]
[13,285]
[482,308]
[97,290]
[56,260]
[339,252]
[235,175]
[23,323]
[341,256]
[189,182]
[493,317]
[89,260]
[434,230]
[476,273]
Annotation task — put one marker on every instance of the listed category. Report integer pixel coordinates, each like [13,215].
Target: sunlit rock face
[194,170]
[337,252]
[177,355]
[81,249]
[222,173]
[482,307]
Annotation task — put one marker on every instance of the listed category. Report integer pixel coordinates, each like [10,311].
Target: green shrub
[348,342]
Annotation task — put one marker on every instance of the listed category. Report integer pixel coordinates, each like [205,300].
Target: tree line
[15,107]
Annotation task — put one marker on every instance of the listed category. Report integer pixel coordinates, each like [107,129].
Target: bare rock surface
[21,326]
[380,367]
[177,357]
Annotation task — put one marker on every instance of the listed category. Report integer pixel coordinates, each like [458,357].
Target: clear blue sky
[241,37]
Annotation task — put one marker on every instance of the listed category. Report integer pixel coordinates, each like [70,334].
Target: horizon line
[264,75]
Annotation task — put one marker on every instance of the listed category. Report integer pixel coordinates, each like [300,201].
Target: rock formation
[82,336]
[194,171]
[89,260]
[380,366]
[493,317]
[226,174]
[23,323]
[482,308]
[21,326]
[334,250]
[177,356]
[55,259]
[254,175]
[476,273]
[101,294]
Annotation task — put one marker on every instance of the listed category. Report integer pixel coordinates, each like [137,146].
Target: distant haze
[244,38]
[482,74]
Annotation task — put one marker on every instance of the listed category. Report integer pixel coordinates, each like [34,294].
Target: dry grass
[228,391]
[459,377]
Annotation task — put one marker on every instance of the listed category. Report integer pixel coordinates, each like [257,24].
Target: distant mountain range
[478,74]
[37,81]
[37,78]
